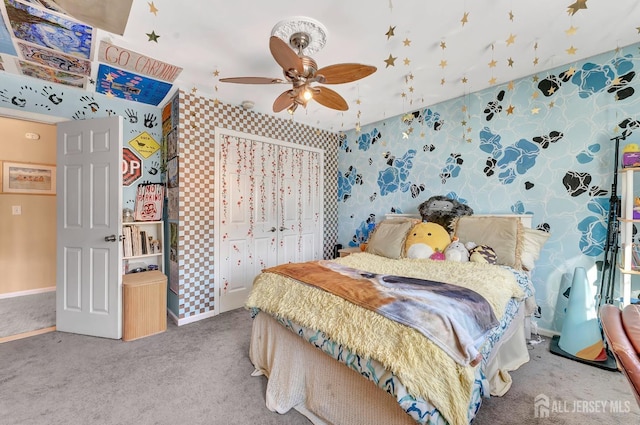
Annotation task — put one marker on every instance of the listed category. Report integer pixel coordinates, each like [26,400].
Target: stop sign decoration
[131,167]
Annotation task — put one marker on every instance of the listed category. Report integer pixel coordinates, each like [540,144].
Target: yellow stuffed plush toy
[427,240]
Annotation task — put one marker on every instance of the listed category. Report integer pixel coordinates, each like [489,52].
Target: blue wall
[32,95]
[540,145]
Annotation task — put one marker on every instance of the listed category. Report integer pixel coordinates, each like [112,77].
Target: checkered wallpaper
[198,117]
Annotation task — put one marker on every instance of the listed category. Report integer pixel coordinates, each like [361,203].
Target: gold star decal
[571,50]
[443,45]
[535,60]
[110,94]
[390,61]
[464,80]
[465,18]
[552,104]
[493,63]
[551,91]
[571,71]
[579,4]
[194,89]
[407,61]
[152,8]
[535,78]
[464,108]
[463,123]
[510,62]
[443,64]
[511,39]
[390,33]
[571,31]
[492,81]
[411,76]
[422,135]
[511,86]
[153,36]
[358,102]
[442,81]
[535,95]
[510,109]
[511,15]
[358,128]
[216,73]
[535,111]
[407,42]
[410,89]
[109,77]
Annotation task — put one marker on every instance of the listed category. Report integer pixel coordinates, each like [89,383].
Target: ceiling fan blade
[252,80]
[330,99]
[344,73]
[283,101]
[284,55]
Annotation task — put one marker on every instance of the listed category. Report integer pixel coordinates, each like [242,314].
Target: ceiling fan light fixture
[307,95]
[292,108]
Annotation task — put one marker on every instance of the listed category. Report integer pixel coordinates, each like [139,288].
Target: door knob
[273,229]
[112,238]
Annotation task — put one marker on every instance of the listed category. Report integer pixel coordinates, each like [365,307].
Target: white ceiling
[212,39]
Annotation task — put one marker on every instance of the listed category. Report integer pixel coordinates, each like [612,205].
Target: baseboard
[28,292]
[547,332]
[27,334]
[190,319]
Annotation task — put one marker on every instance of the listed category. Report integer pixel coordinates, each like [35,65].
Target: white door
[300,209]
[251,231]
[89,223]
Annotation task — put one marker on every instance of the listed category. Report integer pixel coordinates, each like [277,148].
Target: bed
[338,362]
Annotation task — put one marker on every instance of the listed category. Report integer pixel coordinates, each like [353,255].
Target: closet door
[299,205]
[268,210]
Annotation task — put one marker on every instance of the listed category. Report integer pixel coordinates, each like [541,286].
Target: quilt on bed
[449,387]
[456,318]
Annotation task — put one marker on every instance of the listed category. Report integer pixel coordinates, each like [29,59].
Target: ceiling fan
[301,71]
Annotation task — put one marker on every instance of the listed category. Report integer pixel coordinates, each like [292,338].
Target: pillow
[388,238]
[503,234]
[533,241]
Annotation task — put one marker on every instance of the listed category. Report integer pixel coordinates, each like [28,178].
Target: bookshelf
[629,216]
[142,245]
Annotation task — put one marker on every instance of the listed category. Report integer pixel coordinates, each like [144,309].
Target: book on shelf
[136,242]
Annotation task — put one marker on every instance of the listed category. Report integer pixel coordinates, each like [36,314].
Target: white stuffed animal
[456,251]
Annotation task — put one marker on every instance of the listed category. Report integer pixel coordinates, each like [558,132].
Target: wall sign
[131,167]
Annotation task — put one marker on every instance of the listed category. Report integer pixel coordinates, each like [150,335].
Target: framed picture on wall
[26,178]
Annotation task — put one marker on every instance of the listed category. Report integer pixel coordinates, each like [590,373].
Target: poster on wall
[172,172]
[173,257]
[173,203]
[149,201]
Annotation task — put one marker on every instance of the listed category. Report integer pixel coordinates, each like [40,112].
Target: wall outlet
[16,210]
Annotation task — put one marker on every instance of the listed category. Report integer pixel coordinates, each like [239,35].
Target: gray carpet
[200,374]
[27,313]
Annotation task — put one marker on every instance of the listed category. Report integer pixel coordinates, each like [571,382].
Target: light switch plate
[16,210]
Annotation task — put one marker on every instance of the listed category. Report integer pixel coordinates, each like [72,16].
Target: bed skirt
[331,393]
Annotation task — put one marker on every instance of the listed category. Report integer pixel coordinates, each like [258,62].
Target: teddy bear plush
[443,210]
[456,251]
[425,240]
